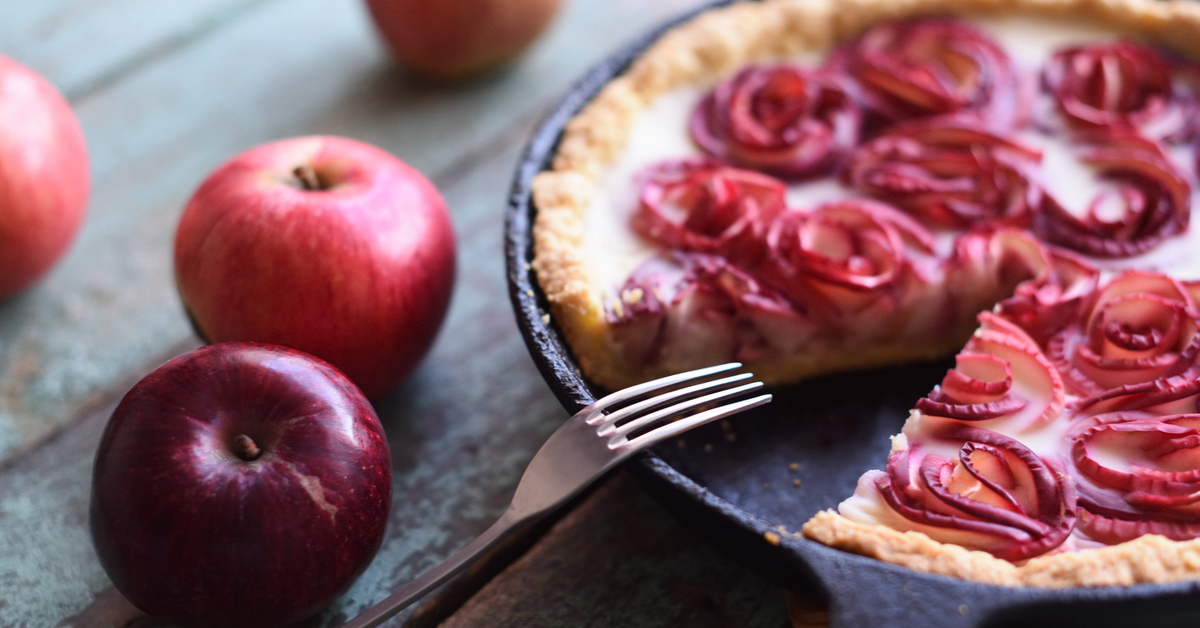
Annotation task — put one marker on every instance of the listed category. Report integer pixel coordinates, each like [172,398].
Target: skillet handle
[877,594]
[865,593]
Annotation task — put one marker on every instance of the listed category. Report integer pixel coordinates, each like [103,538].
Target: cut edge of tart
[711,47]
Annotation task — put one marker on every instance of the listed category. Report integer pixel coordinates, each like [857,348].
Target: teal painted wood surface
[171,111]
[165,92]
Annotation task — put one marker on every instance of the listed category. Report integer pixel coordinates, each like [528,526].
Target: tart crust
[706,49]
[1147,559]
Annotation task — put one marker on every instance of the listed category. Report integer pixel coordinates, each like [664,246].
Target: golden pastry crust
[710,47]
[1147,559]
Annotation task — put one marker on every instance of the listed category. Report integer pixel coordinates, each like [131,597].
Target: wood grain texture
[49,571]
[196,93]
[84,45]
[166,92]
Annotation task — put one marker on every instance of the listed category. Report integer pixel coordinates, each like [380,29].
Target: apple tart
[810,190]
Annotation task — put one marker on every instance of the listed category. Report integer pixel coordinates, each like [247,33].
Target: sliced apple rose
[1121,85]
[784,120]
[849,262]
[705,206]
[949,172]
[1001,376]
[1047,284]
[923,67]
[1135,344]
[979,387]
[1148,200]
[1044,305]
[684,310]
[973,487]
[1138,474]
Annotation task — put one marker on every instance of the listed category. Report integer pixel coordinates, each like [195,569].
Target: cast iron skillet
[735,484]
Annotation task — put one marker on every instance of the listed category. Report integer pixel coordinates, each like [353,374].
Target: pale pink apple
[455,39]
[44,177]
[323,244]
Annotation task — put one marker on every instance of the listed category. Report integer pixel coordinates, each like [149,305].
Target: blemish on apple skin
[314,489]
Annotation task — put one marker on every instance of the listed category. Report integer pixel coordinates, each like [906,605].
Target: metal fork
[589,444]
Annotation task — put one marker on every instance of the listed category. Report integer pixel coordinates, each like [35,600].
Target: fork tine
[650,386]
[646,405]
[679,408]
[675,428]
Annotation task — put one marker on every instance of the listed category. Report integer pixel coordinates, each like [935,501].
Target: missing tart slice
[1058,430]
[809,191]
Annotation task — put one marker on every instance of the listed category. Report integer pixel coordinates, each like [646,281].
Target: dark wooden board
[602,565]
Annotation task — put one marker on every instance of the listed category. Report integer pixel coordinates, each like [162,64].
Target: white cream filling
[659,133]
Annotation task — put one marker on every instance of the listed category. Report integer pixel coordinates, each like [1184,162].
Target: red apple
[323,244]
[454,39]
[44,176]
[240,485]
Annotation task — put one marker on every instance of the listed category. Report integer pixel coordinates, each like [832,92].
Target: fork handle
[435,577]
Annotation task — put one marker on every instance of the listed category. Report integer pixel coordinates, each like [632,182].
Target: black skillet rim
[803,565]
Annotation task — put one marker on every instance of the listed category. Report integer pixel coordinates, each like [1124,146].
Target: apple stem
[245,448]
[308,178]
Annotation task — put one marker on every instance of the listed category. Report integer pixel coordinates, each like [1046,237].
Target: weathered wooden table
[165,92]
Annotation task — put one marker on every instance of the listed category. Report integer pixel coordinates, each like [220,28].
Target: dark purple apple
[240,485]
